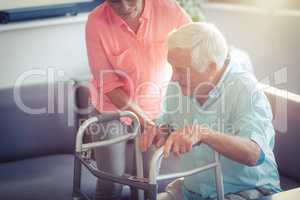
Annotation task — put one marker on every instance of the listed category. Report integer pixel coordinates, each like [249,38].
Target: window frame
[42,12]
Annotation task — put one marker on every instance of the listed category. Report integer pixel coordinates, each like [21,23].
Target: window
[280,4]
[193,8]
[20,10]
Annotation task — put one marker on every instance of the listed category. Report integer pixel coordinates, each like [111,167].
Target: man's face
[126,9]
[188,78]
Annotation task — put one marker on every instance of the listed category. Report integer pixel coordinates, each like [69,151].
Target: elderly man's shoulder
[243,81]
[242,73]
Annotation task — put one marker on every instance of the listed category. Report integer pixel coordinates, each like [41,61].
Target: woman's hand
[153,135]
[147,136]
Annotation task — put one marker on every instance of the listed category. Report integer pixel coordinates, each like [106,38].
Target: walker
[137,182]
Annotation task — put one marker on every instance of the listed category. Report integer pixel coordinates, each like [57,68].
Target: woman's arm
[110,84]
[121,100]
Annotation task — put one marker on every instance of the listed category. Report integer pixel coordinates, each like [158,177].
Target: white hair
[206,42]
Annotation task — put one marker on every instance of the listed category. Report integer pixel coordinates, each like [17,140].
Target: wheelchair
[138,182]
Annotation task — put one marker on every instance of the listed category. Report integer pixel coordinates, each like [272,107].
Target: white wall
[272,40]
[15,4]
[58,44]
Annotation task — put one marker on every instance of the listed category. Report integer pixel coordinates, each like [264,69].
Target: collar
[217,90]
[147,10]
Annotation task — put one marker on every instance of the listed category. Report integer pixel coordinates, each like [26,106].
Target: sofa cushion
[286,112]
[287,124]
[25,135]
[287,183]
[46,178]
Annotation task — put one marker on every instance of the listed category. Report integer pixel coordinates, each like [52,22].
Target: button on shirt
[236,106]
[137,62]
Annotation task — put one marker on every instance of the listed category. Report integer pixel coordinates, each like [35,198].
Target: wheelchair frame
[137,182]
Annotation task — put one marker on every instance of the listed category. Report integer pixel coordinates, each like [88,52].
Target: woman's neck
[134,23]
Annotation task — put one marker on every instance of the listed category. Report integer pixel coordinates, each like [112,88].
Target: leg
[110,159]
[173,191]
[77,179]
[146,162]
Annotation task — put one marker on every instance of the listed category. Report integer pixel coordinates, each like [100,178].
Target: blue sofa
[287,138]
[36,151]
[36,156]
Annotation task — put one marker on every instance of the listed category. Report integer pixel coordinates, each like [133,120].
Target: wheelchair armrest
[80,147]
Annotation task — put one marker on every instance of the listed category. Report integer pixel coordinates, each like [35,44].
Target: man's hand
[153,135]
[182,141]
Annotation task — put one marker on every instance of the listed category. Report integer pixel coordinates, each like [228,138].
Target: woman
[127,55]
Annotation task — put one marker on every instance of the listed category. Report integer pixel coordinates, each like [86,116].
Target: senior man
[216,102]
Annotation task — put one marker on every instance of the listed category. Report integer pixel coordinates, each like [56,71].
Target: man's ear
[212,68]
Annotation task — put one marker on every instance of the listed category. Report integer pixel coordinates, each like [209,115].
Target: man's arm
[253,120]
[242,150]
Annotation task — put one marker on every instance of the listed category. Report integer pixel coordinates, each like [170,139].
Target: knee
[164,196]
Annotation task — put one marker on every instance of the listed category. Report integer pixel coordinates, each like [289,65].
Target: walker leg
[77,179]
[134,193]
[139,166]
[219,178]
[153,192]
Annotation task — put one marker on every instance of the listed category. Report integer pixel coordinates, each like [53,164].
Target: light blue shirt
[236,106]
